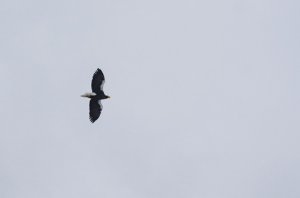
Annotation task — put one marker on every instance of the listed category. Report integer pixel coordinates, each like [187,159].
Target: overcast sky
[205,99]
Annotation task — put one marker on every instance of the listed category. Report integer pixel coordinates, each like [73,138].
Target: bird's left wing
[95,109]
[98,82]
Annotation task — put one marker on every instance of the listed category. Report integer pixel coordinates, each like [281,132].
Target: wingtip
[97,71]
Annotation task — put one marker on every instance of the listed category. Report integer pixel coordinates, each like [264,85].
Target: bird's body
[96,96]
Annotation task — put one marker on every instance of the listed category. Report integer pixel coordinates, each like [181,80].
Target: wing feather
[98,82]
[95,109]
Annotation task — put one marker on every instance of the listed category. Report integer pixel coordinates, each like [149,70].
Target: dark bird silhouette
[97,95]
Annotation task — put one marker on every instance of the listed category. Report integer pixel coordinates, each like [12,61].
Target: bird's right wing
[98,81]
[95,109]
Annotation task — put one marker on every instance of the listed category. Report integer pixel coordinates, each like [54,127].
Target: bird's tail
[88,95]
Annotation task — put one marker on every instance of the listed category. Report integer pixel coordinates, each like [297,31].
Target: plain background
[205,99]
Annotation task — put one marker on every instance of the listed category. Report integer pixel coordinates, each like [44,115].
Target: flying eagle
[97,95]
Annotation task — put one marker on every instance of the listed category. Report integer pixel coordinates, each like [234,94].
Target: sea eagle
[97,95]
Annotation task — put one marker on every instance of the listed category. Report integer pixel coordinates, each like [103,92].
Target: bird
[96,95]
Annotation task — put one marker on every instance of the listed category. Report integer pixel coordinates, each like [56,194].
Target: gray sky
[205,99]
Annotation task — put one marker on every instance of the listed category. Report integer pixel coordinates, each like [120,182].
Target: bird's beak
[108,96]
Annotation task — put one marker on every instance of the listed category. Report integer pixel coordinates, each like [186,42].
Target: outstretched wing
[95,109]
[98,81]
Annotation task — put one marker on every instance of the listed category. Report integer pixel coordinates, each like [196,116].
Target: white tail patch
[88,95]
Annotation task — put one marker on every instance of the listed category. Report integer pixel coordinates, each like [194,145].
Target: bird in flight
[97,95]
